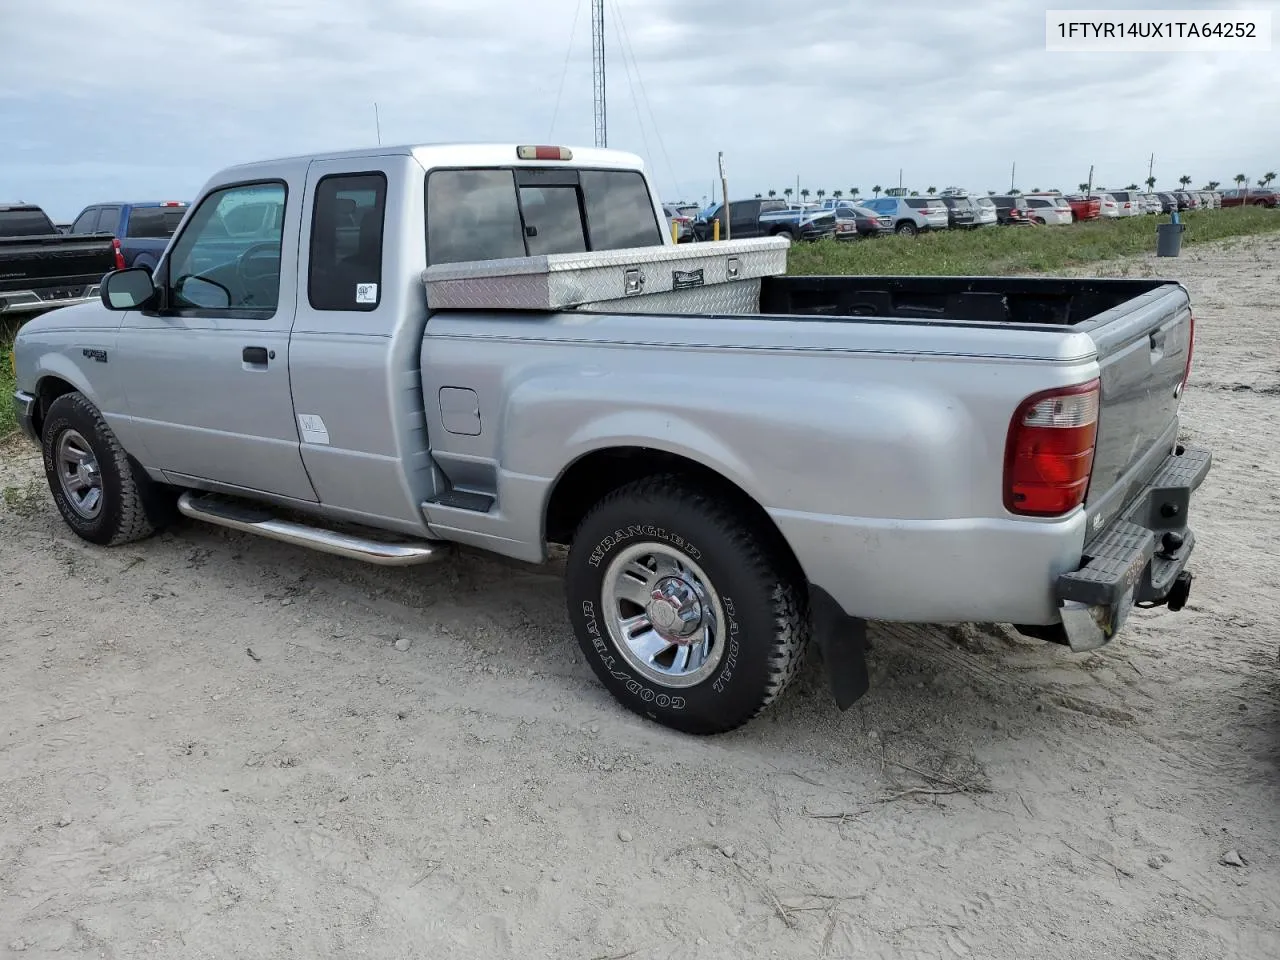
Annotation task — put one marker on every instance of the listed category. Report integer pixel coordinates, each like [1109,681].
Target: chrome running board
[251,518]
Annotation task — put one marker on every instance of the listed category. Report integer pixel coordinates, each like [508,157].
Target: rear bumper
[1137,559]
[31,301]
[24,411]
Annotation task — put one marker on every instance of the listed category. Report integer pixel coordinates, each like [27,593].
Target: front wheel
[95,487]
[686,608]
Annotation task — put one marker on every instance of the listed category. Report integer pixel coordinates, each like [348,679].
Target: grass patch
[997,251]
[7,423]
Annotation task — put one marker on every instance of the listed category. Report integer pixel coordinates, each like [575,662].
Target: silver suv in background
[911,215]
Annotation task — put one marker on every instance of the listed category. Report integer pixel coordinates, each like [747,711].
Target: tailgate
[1143,347]
[33,262]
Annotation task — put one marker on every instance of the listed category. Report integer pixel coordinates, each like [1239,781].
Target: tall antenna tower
[597,71]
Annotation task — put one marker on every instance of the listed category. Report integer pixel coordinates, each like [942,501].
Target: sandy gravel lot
[418,764]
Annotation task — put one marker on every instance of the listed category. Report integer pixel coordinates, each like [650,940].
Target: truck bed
[52,270]
[1024,301]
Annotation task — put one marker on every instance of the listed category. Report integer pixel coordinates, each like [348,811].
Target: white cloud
[149,97]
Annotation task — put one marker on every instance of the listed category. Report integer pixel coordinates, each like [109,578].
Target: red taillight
[1049,455]
[171,203]
[119,253]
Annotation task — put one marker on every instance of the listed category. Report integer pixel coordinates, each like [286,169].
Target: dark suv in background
[960,211]
[1011,210]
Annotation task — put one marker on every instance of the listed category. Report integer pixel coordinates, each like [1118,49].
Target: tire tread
[756,551]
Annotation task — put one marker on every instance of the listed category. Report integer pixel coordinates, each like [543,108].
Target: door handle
[255,355]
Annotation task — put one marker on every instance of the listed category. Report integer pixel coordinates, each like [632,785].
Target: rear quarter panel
[855,437]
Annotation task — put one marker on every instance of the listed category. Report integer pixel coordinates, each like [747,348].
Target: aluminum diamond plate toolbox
[614,279]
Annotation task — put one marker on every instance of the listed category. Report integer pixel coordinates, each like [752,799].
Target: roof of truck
[470,154]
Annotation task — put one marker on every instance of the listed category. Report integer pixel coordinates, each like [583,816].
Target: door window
[109,220]
[228,256]
[87,222]
[345,269]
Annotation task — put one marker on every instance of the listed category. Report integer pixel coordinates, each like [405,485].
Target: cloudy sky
[143,99]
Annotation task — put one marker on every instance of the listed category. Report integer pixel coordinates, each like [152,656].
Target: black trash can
[1169,239]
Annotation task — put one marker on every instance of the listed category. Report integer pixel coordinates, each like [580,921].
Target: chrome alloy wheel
[79,475]
[663,615]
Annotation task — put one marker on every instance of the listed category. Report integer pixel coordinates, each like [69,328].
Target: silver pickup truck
[379,352]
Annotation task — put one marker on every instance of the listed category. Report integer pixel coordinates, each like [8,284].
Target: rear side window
[916,203]
[154,223]
[475,214]
[345,267]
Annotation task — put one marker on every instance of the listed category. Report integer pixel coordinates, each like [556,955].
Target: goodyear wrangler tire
[688,613]
[95,487]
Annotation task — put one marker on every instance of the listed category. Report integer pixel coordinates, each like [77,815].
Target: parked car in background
[854,221]
[1186,201]
[1012,210]
[960,211]
[1053,211]
[1254,197]
[1150,203]
[984,209]
[41,268]
[680,223]
[1084,208]
[141,229]
[911,215]
[1168,202]
[768,218]
[1127,203]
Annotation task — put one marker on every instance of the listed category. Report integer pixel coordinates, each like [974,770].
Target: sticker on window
[366,293]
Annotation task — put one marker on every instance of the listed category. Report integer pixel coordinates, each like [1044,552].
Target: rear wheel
[788,233]
[95,487]
[907,229]
[685,606]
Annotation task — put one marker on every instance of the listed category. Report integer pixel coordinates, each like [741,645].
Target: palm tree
[853,192]
[773,193]
[758,196]
[931,191]
[1151,183]
[1084,187]
[1132,186]
[837,194]
[787,193]
[821,193]
[1035,189]
[804,194]
[876,190]
[1214,184]
[1267,178]
[1185,181]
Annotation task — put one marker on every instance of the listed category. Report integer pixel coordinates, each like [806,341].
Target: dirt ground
[420,764]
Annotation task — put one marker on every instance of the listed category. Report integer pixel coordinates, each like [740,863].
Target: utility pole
[1090,193]
[1150,167]
[597,72]
[1013,177]
[377,122]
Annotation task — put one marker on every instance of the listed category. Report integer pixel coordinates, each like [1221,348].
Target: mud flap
[843,642]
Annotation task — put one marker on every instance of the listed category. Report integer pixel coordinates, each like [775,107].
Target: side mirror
[200,292]
[127,289]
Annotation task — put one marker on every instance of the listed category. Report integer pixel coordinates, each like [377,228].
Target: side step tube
[253,519]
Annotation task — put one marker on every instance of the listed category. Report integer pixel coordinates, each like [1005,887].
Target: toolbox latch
[732,269]
[633,282]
